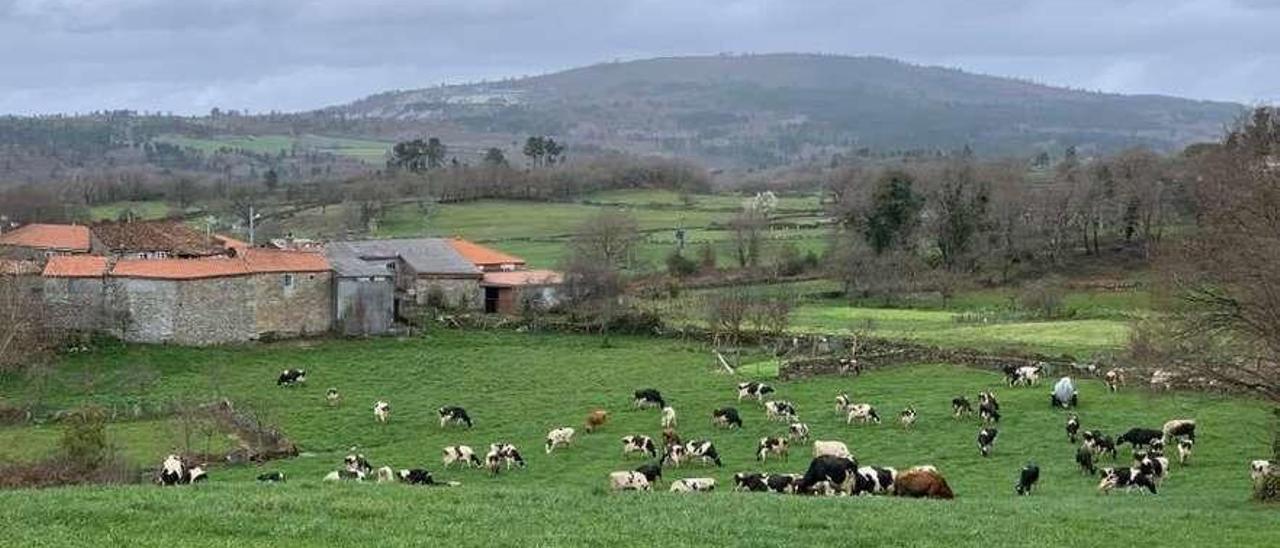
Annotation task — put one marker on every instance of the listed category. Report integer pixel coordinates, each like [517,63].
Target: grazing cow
[750,481]
[831,448]
[922,483]
[988,399]
[1084,458]
[772,446]
[1139,437]
[780,410]
[668,417]
[960,407]
[986,438]
[503,453]
[628,481]
[704,450]
[842,403]
[637,443]
[559,437]
[863,413]
[344,475]
[648,397]
[357,463]
[1161,379]
[1114,378]
[1260,469]
[989,413]
[828,468]
[453,414]
[332,397]
[1179,428]
[651,471]
[460,453]
[693,485]
[872,480]
[1185,445]
[1099,443]
[1010,374]
[782,483]
[1156,467]
[292,377]
[1129,478]
[596,419]
[1064,394]
[1029,375]
[1027,479]
[1073,427]
[271,477]
[381,411]
[726,417]
[670,437]
[385,475]
[798,431]
[753,390]
[675,455]
[907,417]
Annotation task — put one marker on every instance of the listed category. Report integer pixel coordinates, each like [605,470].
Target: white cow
[693,485]
[668,417]
[832,448]
[460,453]
[628,481]
[863,413]
[559,437]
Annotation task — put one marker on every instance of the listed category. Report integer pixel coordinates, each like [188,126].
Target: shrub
[680,266]
[1044,299]
[707,257]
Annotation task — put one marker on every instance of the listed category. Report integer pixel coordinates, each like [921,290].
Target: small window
[288,281]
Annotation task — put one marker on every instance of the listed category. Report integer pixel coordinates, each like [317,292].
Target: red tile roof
[53,237]
[230,243]
[278,260]
[9,267]
[171,237]
[75,266]
[249,261]
[483,256]
[518,278]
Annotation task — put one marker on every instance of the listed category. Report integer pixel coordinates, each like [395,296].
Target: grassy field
[143,210]
[369,151]
[517,386]
[669,198]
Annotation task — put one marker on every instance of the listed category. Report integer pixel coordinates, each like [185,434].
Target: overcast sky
[187,56]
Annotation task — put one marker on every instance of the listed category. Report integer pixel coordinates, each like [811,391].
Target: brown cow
[596,419]
[921,483]
[670,437]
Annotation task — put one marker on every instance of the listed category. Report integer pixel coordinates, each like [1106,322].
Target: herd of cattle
[832,470]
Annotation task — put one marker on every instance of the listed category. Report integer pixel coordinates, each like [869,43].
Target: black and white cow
[1027,479]
[1154,466]
[753,390]
[1064,394]
[674,455]
[651,471]
[292,377]
[356,462]
[989,412]
[453,414]
[460,453]
[415,476]
[503,453]
[559,437]
[1084,459]
[780,410]
[1139,437]
[381,411]
[750,481]
[726,417]
[842,403]
[907,418]
[693,485]
[637,443]
[986,439]
[1073,428]
[332,397]
[772,446]
[837,471]
[1260,469]
[960,407]
[648,397]
[863,413]
[174,471]
[872,480]
[1128,478]
[344,475]
[988,399]
[1099,443]
[703,450]
[1185,447]
[271,477]
[798,431]
[782,483]
[1179,428]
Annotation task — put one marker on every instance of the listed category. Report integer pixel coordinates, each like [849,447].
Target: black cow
[782,483]
[986,438]
[651,471]
[1073,428]
[726,417]
[750,481]
[827,468]
[272,477]
[960,407]
[648,397]
[1084,458]
[1139,437]
[453,414]
[1027,479]
[291,377]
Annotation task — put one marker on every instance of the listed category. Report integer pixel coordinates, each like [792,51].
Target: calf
[1084,459]
[1027,479]
[907,417]
[292,377]
[271,477]
[798,431]
[1139,437]
[871,480]
[693,485]
[668,417]
[838,471]
[629,481]
[1185,446]
[462,454]
[1128,478]
[1260,469]
[753,390]
[922,483]
[452,414]
[1114,378]
[771,446]
[726,417]
[960,407]
[648,397]
[750,481]
[332,397]
[863,413]
[559,437]
[703,450]
[651,471]
[637,443]
[1073,427]
[782,483]
[381,411]
[779,410]
[1179,428]
[596,419]
[986,438]
[842,403]
[831,448]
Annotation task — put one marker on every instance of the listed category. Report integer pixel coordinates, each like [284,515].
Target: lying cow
[750,481]
[1073,427]
[986,439]
[703,450]
[292,377]
[596,419]
[344,475]
[782,483]
[798,431]
[693,485]
[831,448]
[1027,479]
[726,417]
[271,477]
[418,476]
[960,407]
[648,397]
[780,410]
[385,475]
[559,437]
[872,480]
[452,414]
[863,413]
[771,446]
[1128,478]
[356,462]
[753,390]
[922,483]
[460,453]
[637,443]
[836,471]
[628,481]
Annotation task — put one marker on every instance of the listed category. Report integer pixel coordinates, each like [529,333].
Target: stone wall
[304,307]
[77,304]
[459,293]
[189,312]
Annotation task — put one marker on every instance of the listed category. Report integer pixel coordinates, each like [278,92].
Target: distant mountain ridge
[778,108]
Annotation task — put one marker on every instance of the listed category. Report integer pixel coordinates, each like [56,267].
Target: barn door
[491,295]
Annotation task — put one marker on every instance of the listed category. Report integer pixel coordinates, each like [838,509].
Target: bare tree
[609,237]
[25,340]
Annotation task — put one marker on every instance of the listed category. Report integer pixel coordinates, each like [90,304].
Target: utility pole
[251,219]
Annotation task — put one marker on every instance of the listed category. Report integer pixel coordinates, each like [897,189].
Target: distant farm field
[370,151]
[518,386]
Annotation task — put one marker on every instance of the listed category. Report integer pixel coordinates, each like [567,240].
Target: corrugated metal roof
[423,255]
